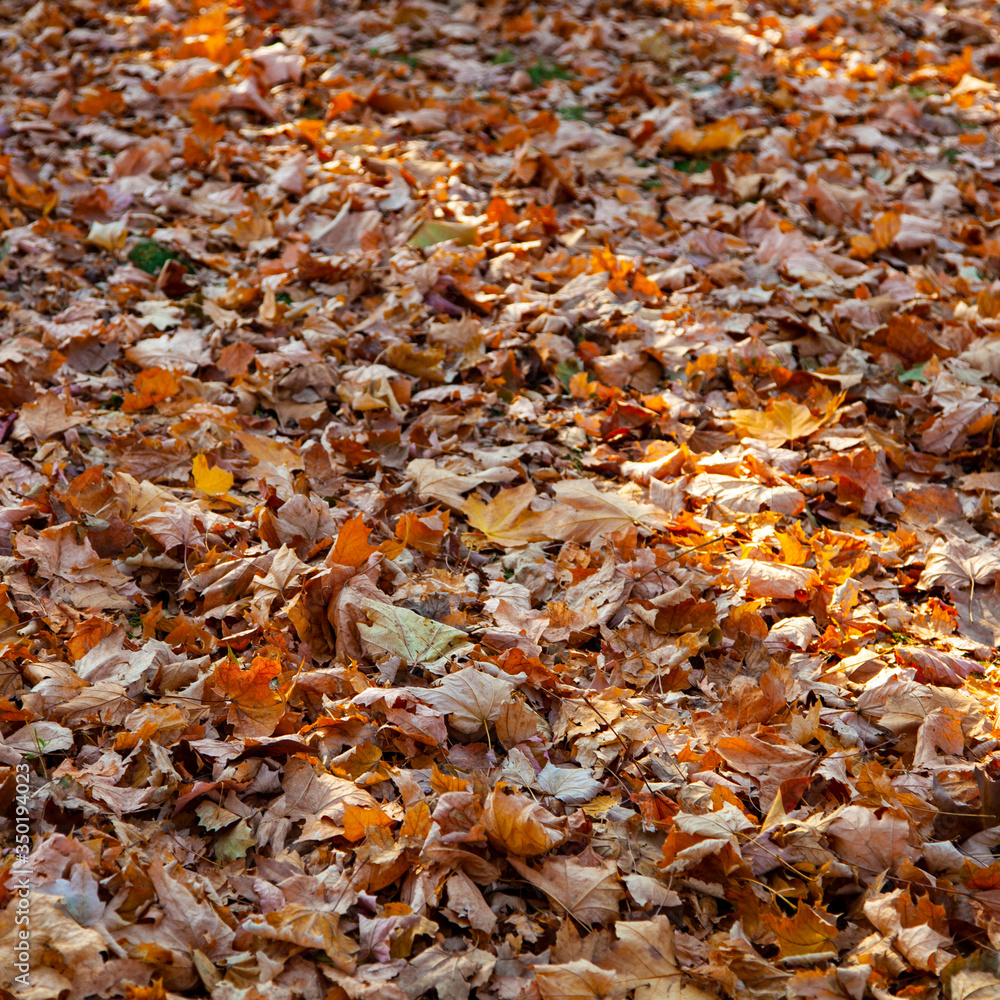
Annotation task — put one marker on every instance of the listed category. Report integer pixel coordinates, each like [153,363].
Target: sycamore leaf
[413,637]
[588,893]
[255,704]
[783,420]
[471,698]
[212,480]
[506,519]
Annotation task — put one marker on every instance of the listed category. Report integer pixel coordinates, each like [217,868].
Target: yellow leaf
[783,420]
[725,134]
[506,519]
[214,481]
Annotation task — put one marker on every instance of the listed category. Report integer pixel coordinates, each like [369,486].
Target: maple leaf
[518,824]
[307,927]
[644,960]
[413,637]
[572,785]
[810,932]
[212,480]
[76,574]
[255,703]
[588,893]
[873,843]
[782,420]
[576,980]
[435,483]
[352,547]
[319,799]
[359,820]
[507,519]
[451,974]
[471,698]
[593,514]
[523,314]
[153,386]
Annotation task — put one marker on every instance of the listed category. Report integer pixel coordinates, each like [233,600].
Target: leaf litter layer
[499,499]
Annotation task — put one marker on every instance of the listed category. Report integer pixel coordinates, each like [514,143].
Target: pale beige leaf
[646,962]
[576,980]
[471,698]
[587,513]
[773,579]
[413,637]
[432,482]
[590,894]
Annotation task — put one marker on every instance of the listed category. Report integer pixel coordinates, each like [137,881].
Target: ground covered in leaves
[498,499]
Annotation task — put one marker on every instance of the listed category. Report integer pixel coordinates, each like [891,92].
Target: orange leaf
[152,386]
[423,532]
[359,820]
[724,134]
[255,705]
[518,825]
[885,228]
[863,246]
[498,212]
[809,932]
[642,285]
[352,547]
[155,991]
[343,102]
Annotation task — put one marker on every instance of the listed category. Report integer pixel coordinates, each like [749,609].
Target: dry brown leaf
[517,824]
[588,893]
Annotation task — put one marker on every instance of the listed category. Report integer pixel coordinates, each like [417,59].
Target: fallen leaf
[645,960]
[589,894]
[212,480]
[518,824]
[418,640]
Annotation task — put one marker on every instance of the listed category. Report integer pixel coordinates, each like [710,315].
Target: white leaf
[472,698]
[573,785]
